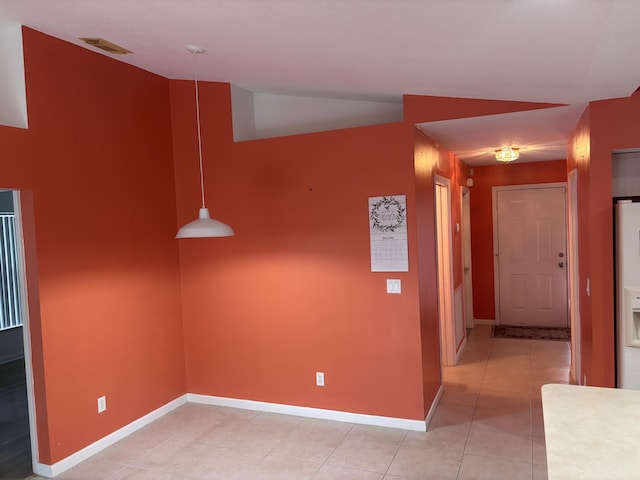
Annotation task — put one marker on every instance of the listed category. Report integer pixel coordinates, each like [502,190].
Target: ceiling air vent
[105,45]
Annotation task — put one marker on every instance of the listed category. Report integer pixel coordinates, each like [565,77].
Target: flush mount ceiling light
[507,154]
[204,226]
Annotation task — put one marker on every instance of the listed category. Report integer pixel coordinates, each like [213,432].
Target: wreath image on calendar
[387,214]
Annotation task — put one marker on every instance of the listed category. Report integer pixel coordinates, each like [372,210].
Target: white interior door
[531,256]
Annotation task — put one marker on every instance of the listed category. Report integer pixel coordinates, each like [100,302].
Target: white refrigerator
[628,293]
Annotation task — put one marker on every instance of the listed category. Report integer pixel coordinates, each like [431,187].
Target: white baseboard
[74,459]
[434,405]
[403,423]
[461,349]
[481,321]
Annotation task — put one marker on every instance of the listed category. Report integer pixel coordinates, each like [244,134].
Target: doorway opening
[452,330]
[17,437]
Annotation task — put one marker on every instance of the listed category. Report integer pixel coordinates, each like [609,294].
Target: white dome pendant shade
[204,226]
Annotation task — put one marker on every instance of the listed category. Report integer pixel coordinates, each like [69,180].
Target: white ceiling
[560,51]
[541,135]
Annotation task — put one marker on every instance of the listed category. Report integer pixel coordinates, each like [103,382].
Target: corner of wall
[243,115]
[259,115]
[13,95]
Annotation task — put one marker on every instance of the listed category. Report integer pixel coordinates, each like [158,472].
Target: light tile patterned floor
[488,425]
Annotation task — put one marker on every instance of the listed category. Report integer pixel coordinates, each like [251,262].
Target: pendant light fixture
[204,226]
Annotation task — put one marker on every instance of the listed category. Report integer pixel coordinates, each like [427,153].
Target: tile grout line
[324,462]
[386,472]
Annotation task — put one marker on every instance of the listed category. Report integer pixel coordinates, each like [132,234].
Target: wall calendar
[388,233]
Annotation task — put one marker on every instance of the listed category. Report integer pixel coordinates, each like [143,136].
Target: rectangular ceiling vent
[105,45]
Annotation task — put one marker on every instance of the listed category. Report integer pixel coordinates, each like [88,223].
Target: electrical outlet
[102,404]
[320,379]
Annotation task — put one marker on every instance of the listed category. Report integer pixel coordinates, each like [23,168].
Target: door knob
[561,254]
[561,264]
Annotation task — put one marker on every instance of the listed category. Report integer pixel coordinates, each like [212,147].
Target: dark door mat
[533,333]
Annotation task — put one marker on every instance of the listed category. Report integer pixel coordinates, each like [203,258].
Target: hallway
[488,425]
[493,399]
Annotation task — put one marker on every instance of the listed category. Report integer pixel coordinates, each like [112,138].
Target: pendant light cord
[195,76]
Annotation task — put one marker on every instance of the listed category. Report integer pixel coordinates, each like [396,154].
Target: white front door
[531,253]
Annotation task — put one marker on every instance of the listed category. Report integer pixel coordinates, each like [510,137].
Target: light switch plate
[394,285]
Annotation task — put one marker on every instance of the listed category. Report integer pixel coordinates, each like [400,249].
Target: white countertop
[591,432]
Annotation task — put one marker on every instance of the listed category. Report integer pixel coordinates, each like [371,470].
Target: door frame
[573,274]
[467,272]
[26,331]
[494,211]
[445,274]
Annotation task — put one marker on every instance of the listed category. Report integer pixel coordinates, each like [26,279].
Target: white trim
[467,276]
[90,450]
[309,412]
[459,326]
[434,405]
[26,331]
[448,343]
[461,349]
[573,274]
[494,219]
[74,459]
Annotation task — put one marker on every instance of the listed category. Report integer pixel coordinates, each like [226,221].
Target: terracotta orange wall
[578,160]
[431,159]
[292,293]
[606,126]
[484,179]
[425,108]
[458,176]
[96,172]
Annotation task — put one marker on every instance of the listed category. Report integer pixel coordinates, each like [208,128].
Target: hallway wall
[605,126]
